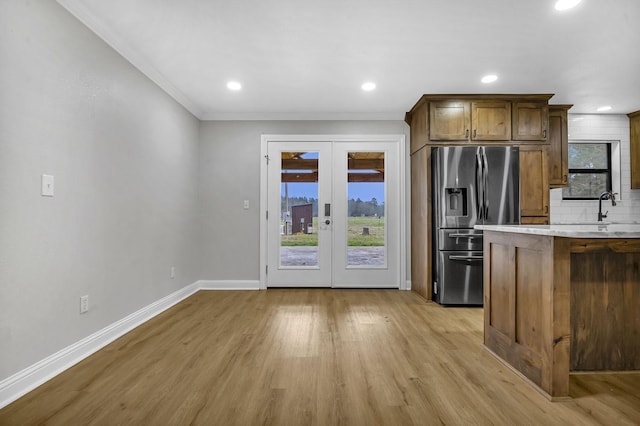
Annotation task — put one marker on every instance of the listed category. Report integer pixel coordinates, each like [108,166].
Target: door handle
[479,195]
[327,222]
[485,184]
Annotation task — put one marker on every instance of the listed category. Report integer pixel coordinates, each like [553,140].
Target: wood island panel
[529,323]
[605,294]
[501,307]
[557,304]
[519,325]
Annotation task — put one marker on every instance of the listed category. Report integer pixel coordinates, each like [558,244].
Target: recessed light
[566,4]
[604,108]
[368,86]
[489,78]
[234,85]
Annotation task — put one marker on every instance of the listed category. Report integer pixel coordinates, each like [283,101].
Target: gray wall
[140,185]
[124,157]
[230,173]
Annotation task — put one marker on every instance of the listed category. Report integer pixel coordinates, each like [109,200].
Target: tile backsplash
[600,127]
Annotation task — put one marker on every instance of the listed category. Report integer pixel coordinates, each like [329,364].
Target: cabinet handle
[466,134]
[544,134]
[564,179]
[475,132]
[546,209]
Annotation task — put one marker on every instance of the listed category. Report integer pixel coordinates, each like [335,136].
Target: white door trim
[396,138]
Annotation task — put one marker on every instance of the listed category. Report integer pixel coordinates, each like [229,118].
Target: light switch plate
[246,204]
[47,185]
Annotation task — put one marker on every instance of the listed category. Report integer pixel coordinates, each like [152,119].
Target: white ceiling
[299,59]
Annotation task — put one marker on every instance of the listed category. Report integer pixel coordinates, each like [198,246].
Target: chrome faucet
[606,195]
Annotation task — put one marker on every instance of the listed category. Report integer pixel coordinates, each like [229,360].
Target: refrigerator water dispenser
[456,204]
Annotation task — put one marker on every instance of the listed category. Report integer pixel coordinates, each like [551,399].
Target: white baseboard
[228,285]
[35,375]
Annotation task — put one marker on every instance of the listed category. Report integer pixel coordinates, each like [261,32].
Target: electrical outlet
[84,304]
[173,272]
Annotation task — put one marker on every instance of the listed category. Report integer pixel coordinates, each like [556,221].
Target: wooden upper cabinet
[491,121]
[634,128]
[530,121]
[470,121]
[558,145]
[449,121]
[476,118]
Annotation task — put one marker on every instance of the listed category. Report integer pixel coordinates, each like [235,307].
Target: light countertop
[615,230]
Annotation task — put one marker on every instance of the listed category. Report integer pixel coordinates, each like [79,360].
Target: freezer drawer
[459,278]
[460,240]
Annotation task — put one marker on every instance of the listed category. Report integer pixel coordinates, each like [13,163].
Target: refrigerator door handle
[485,184]
[479,185]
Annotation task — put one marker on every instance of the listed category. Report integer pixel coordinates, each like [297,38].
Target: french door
[333,213]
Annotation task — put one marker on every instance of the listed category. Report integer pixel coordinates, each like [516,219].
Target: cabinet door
[529,121]
[558,146]
[449,121]
[634,122]
[534,182]
[491,121]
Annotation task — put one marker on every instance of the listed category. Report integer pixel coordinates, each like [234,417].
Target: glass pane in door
[366,234]
[299,209]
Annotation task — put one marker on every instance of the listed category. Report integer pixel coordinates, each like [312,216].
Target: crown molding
[298,116]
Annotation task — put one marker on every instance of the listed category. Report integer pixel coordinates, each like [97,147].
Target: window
[589,171]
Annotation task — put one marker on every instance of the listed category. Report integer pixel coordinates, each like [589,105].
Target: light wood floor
[312,357]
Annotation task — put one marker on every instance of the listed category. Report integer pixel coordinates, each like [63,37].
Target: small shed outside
[302,218]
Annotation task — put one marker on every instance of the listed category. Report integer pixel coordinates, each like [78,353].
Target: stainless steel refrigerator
[471,185]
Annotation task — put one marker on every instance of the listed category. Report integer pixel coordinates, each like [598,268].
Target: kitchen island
[562,298]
